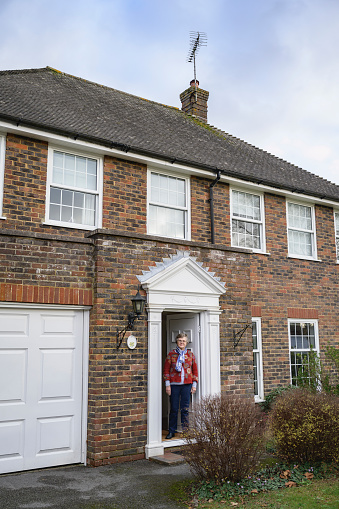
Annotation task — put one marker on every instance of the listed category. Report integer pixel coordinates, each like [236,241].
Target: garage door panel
[58,372]
[14,324]
[13,375]
[40,388]
[12,439]
[60,324]
[55,433]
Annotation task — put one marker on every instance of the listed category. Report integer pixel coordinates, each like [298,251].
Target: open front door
[188,323]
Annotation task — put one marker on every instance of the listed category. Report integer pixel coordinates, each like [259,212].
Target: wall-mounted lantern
[138,302]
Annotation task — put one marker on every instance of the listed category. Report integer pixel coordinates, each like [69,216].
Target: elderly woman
[181,377]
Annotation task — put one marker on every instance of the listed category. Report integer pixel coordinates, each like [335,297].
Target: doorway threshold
[169,459]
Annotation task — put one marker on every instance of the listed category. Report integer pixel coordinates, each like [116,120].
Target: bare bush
[225,438]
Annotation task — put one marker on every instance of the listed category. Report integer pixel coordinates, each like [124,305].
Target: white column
[214,335]
[210,353]
[154,439]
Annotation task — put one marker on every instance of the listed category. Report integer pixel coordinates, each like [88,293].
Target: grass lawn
[319,493]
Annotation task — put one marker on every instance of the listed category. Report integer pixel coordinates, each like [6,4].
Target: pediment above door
[180,281]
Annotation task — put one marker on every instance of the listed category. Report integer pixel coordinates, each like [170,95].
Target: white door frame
[181,286]
[85,356]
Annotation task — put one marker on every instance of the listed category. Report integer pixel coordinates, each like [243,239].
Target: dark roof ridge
[48,68]
[56,71]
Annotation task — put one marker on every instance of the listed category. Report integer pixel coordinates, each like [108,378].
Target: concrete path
[137,484]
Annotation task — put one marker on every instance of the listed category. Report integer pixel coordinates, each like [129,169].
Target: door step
[169,458]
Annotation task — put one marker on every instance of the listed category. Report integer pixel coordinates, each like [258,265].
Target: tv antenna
[197,39]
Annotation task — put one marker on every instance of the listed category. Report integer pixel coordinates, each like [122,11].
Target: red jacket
[190,368]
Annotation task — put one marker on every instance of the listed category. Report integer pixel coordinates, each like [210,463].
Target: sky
[271,66]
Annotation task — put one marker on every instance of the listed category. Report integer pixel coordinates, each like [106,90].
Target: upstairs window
[301,231]
[73,196]
[2,169]
[247,220]
[168,206]
[336,226]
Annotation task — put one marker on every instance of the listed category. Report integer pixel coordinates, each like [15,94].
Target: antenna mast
[197,39]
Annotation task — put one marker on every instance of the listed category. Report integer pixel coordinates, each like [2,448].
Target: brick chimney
[194,101]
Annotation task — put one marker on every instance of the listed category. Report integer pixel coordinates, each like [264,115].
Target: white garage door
[40,388]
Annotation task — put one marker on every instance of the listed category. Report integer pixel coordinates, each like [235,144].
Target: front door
[190,325]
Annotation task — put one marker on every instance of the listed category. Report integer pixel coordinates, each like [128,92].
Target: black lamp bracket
[238,335]
[121,333]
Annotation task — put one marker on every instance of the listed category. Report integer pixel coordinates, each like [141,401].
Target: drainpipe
[211,205]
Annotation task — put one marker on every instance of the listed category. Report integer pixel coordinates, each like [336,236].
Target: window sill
[70,225]
[255,251]
[306,258]
[3,217]
[259,400]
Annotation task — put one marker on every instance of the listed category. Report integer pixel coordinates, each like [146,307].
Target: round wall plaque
[131,342]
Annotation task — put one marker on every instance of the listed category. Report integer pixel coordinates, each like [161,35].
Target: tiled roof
[64,104]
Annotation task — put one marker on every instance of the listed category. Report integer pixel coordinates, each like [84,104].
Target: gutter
[163,157]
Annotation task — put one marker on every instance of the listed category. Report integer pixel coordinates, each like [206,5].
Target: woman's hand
[193,390]
[168,390]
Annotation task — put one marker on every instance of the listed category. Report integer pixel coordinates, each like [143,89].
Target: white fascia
[93,148]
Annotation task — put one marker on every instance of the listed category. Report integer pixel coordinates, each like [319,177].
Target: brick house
[101,192]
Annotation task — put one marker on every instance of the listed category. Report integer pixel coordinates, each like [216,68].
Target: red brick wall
[124,195]
[118,379]
[284,287]
[45,269]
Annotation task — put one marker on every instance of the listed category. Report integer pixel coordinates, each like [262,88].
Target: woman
[181,377]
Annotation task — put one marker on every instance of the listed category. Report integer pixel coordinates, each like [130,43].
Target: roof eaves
[157,155]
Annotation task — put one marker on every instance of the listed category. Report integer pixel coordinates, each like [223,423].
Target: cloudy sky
[271,66]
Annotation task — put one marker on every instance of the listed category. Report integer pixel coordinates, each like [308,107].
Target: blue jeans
[180,396]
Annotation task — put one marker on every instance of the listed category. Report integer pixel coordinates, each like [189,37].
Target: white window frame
[302,350]
[98,193]
[336,233]
[258,351]
[186,208]
[312,231]
[260,222]
[2,170]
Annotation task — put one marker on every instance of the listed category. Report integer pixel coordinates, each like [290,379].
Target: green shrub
[225,438]
[305,426]
[315,376]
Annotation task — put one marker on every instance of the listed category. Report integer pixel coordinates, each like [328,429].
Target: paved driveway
[138,484]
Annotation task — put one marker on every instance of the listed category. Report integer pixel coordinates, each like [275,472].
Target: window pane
[299,216]
[66,214]
[79,199]
[58,159]
[69,162]
[67,197]
[254,336]
[246,205]
[58,175]
[246,234]
[69,178]
[71,170]
[167,222]
[300,243]
[302,339]
[54,212]
[77,215]
[55,195]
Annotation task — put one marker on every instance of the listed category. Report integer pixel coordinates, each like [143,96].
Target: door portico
[180,284]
